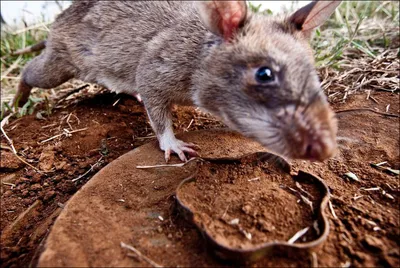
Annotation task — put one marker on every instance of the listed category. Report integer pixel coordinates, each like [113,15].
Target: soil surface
[31,199]
[135,206]
[364,218]
[274,208]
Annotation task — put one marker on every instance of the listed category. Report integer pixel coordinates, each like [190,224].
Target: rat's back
[105,40]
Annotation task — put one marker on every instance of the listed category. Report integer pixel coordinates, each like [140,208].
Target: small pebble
[373,243]
[246,209]
[36,187]
[234,222]
[7,193]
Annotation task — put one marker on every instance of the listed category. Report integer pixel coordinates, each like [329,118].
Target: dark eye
[264,75]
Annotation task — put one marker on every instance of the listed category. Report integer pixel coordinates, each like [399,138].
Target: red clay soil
[125,204]
[364,228]
[271,210]
[109,131]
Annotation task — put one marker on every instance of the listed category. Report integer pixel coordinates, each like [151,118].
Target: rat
[253,71]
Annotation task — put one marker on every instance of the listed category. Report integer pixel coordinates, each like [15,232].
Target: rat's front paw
[179,147]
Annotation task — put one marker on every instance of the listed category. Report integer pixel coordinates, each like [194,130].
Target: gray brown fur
[163,51]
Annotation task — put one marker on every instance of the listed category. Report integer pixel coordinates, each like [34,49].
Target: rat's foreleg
[161,122]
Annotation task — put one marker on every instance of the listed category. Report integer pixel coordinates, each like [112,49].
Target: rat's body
[170,53]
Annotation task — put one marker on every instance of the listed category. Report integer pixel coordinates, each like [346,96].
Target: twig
[72,92]
[388,169]
[23,160]
[206,118]
[356,197]
[298,235]
[370,189]
[314,260]
[298,185]
[226,210]
[89,170]
[51,125]
[66,133]
[3,123]
[166,165]
[372,98]
[352,176]
[9,184]
[36,47]
[115,103]
[11,68]
[367,110]
[245,233]
[191,122]
[12,148]
[32,28]
[140,255]
[147,137]
[332,211]
[68,118]
[305,199]
[388,185]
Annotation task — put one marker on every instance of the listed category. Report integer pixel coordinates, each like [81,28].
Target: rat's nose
[313,133]
[320,149]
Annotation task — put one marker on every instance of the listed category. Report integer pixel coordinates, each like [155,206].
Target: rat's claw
[190,151]
[182,156]
[167,155]
[179,147]
[193,146]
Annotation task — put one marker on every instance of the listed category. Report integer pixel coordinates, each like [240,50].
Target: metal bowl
[262,250]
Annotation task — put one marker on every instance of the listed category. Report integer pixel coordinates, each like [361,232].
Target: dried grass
[358,49]
[358,74]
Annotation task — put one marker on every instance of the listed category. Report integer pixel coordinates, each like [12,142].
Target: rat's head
[260,78]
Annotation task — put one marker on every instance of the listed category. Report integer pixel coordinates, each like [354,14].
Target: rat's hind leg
[45,71]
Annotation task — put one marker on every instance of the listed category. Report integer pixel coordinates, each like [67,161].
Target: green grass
[12,41]
[11,66]
[367,26]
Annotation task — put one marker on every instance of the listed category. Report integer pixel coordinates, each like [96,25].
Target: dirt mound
[271,210]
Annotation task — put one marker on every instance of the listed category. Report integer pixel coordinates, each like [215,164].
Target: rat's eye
[264,75]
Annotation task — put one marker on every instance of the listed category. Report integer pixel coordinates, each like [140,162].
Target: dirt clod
[373,243]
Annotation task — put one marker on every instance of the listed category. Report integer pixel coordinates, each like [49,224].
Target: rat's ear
[307,18]
[222,17]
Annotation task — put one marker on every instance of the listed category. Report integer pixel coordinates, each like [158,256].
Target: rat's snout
[312,133]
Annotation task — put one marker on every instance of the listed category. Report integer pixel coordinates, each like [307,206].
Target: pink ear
[313,15]
[223,17]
